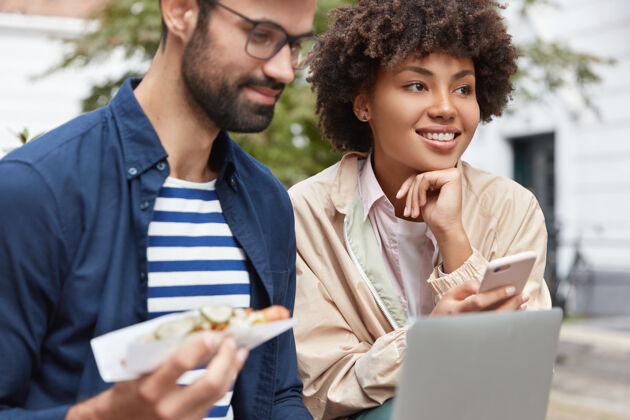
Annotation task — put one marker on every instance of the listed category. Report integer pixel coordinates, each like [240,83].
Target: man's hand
[464,298]
[437,196]
[157,395]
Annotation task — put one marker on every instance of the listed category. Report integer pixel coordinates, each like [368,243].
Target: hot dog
[219,318]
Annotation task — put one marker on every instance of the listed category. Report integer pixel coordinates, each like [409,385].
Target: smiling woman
[422,114]
[402,227]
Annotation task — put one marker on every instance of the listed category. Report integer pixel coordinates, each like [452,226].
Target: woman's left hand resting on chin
[437,197]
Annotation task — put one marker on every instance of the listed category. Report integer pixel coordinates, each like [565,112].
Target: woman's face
[423,114]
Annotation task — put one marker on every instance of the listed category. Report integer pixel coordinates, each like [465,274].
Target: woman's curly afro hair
[377,33]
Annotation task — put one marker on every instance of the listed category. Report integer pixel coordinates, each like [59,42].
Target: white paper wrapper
[123,355]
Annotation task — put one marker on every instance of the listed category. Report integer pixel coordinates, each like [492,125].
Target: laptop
[481,366]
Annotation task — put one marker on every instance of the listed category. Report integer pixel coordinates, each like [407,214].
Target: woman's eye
[416,87]
[464,90]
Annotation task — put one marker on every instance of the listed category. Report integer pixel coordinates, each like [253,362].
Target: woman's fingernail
[510,290]
[398,193]
[406,211]
[524,306]
[525,297]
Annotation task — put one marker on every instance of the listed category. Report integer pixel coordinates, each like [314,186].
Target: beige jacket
[350,327]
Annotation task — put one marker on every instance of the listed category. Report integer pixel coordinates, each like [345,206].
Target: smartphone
[512,270]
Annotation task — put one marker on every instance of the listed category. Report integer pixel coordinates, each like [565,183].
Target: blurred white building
[577,163]
[31,34]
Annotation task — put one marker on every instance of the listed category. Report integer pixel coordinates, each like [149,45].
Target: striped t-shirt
[193,260]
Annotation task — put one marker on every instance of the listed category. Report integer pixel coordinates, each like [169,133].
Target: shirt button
[233,182]
[143,276]
[132,171]
[144,205]
[161,166]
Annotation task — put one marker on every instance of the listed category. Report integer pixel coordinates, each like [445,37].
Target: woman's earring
[364,117]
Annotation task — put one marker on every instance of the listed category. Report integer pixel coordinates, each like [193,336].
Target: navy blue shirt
[75,207]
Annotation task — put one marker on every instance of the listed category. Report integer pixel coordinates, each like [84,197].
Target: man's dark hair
[377,33]
[204,13]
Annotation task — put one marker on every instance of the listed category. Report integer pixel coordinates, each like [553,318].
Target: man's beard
[217,96]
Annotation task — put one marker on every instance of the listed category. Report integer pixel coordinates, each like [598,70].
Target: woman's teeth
[440,136]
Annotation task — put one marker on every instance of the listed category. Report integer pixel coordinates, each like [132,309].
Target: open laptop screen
[482,366]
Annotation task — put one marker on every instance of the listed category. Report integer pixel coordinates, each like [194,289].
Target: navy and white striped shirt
[194,260]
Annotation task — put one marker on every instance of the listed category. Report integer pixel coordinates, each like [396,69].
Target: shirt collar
[345,181]
[371,192]
[222,157]
[369,188]
[140,143]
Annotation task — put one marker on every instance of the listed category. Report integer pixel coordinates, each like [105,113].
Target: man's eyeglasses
[265,39]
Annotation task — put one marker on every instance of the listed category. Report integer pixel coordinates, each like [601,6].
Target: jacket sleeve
[31,255]
[343,369]
[520,227]
[472,269]
[523,230]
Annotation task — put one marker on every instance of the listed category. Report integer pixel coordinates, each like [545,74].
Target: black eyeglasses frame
[293,41]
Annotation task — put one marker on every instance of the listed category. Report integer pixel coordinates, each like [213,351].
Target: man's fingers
[194,401]
[188,357]
[220,374]
[228,361]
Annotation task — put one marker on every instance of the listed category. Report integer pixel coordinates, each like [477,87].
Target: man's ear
[180,17]
[361,107]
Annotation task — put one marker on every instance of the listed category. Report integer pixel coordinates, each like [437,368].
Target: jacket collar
[140,143]
[346,181]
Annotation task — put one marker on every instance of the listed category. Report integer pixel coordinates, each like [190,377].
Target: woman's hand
[464,298]
[437,196]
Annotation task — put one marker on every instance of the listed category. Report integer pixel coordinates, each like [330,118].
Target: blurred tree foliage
[292,146]
[25,136]
[550,66]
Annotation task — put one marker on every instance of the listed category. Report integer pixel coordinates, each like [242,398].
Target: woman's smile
[439,138]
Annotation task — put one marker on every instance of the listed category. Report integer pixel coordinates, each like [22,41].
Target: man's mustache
[264,83]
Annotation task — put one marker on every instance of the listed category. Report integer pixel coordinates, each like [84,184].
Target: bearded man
[146,207]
